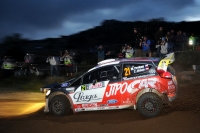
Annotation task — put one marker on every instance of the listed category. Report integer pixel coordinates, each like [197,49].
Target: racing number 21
[127,71]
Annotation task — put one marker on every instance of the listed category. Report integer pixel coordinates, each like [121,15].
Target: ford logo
[64,84]
[112,101]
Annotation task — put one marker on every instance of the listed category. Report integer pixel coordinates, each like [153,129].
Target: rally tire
[60,105]
[149,104]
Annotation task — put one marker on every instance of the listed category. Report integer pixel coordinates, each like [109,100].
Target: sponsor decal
[81,97]
[169,82]
[141,76]
[137,69]
[97,85]
[64,84]
[127,101]
[102,105]
[89,105]
[130,88]
[112,101]
[114,107]
[101,108]
[83,87]
[171,87]
[79,109]
[91,86]
[152,71]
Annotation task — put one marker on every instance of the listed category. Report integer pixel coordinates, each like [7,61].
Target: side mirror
[94,82]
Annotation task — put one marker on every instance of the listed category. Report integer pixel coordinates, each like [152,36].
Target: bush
[187,59]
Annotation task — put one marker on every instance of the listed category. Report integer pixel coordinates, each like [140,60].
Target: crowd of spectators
[164,42]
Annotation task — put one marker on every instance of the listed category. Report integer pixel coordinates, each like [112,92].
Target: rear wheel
[149,104]
[60,105]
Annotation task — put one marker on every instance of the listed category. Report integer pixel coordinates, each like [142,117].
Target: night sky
[38,19]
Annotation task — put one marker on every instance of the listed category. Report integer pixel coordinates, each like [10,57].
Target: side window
[87,78]
[102,74]
[77,82]
[109,73]
[130,70]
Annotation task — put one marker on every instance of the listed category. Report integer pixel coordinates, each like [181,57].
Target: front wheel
[60,105]
[149,104]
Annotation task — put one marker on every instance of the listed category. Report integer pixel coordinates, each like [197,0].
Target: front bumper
[46,107]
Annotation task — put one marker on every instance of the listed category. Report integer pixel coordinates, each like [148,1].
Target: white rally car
[143,84]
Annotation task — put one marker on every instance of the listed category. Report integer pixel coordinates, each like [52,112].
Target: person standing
[169,40]
[101,53]
[61,67]
[28,60]
[68,63]
[158,36]
[185,41]
[53,65]
[191,41]
[145,44]
[136,40]
[128,51]
[163,47]
[108,55]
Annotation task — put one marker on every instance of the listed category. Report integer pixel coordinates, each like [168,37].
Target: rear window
[130,70]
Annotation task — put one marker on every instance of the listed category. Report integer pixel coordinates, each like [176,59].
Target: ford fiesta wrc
[141,83]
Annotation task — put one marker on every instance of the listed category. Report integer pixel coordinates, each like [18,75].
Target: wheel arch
[59,93]
[145,90]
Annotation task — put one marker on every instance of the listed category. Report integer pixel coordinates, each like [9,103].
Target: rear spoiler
[169,59]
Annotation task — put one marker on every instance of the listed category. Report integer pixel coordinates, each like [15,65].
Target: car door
[136,76]
[112,95]
[89,95]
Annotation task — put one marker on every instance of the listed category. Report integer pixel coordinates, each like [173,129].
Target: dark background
[112,34]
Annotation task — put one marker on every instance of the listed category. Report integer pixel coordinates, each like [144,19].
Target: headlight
[48,92]
[45,90]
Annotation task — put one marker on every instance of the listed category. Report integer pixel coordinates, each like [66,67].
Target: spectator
[120,55]
[136,39]
[145,44]
[101,53]
[128,51]
[28,60]
[185,41]
[158,36]
[163,47]
[60,56]
[61,67]
[169,40]
[68,63]
[8,65]
[179,41]
[108,55]
[191,41]
[53,65]
[123,52]
[172,40]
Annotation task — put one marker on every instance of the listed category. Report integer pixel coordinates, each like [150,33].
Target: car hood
[58,85]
